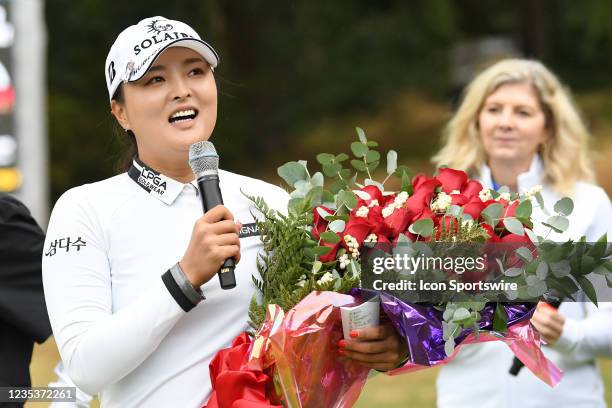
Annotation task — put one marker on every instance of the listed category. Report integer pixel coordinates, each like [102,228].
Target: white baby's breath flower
[371,238]
[362,211]
[326,278]
[485,195]
[442,202]
[401,199]
[373,203]
[344,261]
[455,192]
[388,210]
[504,196]
[301,282]
[533,190]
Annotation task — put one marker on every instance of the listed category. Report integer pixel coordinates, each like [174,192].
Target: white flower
[301,282]
[442,202]
[533,190]
[373,203]
[485,195]
[504,196]
[344,261]
[388,210]
[362,211]
[326,278]
[371,238]
[455,192]
[401,199]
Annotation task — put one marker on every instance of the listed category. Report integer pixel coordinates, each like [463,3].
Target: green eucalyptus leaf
[320,250]
[524,209]
[317,180]
[558,223]
[423,227]
[361,134]
[391,161]
[341,157]
[359,165]
[359,149]
[542,270]
[331,169]
[494,210]
[525,254]
[540,201]
[564,206]
[514,226]
[337,226]
[449,346]
[561,269]
[325,158]
[512,272]
[461,315]
[347,198]
[330,237]
[316,267]
[372,156]
[293,172]
[372,143]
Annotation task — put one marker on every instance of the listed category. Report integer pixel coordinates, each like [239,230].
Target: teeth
[180,114]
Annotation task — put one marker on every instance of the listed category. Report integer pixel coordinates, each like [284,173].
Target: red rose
[451,179]
[319,223]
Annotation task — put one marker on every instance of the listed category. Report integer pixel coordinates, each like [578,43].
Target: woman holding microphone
[130,261]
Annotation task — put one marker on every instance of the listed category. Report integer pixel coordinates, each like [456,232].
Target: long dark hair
[128,155]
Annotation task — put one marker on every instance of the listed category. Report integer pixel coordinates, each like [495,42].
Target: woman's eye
[196,71]
[155,80]
[524,113]
[492,109]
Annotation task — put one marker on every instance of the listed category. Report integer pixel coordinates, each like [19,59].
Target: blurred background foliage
[297,76]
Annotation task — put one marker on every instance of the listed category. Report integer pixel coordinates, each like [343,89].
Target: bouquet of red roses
[322,256]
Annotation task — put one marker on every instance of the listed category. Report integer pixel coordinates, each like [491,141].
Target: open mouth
[183,116]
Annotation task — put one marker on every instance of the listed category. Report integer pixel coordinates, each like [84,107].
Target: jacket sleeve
[22,302]
[99,345]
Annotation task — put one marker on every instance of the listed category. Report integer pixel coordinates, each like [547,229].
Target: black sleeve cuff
[176,292]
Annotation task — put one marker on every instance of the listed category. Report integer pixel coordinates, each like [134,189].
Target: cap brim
[201,47]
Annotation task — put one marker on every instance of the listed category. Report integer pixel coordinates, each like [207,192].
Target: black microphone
[553,298]
[204,162]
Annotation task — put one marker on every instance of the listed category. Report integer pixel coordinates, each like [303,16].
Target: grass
[415,389]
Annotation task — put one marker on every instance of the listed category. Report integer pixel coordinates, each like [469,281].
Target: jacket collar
[526,180]
[158,185]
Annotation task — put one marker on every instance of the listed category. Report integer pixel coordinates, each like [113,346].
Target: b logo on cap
[111,71]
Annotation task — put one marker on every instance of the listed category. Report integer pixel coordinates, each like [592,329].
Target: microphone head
[203,158]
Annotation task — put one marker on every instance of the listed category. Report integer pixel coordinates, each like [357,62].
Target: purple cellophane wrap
[421,326]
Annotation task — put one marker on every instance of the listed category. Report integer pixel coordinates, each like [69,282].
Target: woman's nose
[506,119]
[180,89]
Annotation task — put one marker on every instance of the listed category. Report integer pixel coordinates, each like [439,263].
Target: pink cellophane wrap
[303,346]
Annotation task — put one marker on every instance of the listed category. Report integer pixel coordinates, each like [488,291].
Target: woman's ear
[119,112]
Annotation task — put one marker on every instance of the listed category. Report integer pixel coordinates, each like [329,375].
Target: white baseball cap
[138,46]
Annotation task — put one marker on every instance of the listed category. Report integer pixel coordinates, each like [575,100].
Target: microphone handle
[211,197]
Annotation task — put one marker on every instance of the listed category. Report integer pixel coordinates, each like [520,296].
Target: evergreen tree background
[296,76]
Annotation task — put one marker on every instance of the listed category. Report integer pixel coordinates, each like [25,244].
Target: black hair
[126,158]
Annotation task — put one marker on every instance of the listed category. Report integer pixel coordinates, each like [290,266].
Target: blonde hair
[565,155]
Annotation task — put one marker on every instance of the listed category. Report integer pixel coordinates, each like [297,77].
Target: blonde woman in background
[517,126]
